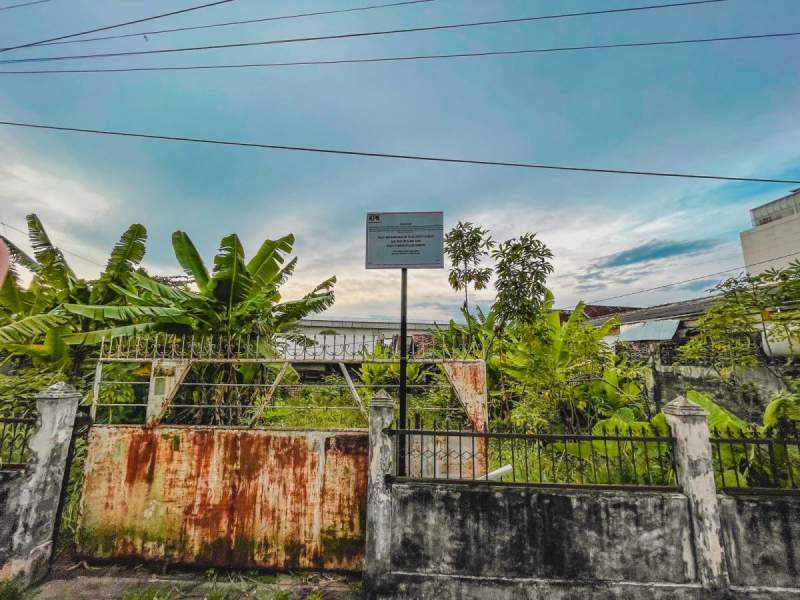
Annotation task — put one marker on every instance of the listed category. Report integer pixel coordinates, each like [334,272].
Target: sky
[725,108]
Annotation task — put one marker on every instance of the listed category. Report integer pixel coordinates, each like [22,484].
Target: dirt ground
[83,582]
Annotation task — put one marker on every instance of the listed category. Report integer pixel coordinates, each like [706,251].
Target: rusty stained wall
[468,379]
[225,497]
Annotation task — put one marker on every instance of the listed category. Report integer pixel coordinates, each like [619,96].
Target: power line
[340,36]
[89,260]
[346,61]
[413,157]
[243,22]
[107,27]
[21,4]
[698,278]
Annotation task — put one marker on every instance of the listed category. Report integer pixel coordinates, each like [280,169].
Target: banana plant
[549,363]
[237,297]
[59,310]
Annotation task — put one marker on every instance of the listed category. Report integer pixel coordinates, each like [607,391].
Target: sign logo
[405,240]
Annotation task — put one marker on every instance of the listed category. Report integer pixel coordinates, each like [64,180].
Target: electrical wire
[116,25]
[21,4]
[89,260]
[411,157]
[341,36]
[348,61]
[243,22]
[698,278]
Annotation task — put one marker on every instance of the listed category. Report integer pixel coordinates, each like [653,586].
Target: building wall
[771,240]
[525,532]
[762,539]
[225,497]
[312,327]
[674,380]
[458,541]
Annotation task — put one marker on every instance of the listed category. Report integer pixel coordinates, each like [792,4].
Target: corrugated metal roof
[684,309]
[651,331]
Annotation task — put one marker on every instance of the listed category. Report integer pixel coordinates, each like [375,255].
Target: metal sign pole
[401,440]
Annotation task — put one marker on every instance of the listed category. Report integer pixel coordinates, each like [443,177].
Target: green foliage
[149,593]
[742,464]
[466,246]
[784,407]
[724,341]
[751,308]
[718,418]
[58,310]
[561,373]
[9,591]
[18,389]
[238,298]
[522,267]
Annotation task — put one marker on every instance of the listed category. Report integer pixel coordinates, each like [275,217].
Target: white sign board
[412,240]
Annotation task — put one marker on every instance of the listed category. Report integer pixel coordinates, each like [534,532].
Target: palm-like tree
[237,297]
[59,314]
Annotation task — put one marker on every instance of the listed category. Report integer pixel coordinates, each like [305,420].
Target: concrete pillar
[34,502]
[379,498]
[695,472]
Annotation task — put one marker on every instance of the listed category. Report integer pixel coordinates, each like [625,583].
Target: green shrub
[9,591]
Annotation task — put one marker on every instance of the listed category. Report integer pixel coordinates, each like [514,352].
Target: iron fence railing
[296,347]
[14,435]
[757,461]
[612,458]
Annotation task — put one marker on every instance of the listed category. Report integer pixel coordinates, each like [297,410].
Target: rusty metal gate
[196,456]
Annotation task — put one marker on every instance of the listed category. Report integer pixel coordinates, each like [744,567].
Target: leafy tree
[522,267]
[751,309]
[59,314]
[552,365]
[237,297]
[466,246]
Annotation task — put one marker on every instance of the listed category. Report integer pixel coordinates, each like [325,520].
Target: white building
[774,240]
[367,328]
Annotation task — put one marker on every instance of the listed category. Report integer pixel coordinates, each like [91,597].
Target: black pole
[401,440]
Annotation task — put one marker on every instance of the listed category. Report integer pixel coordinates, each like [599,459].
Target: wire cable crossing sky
[242,22]
[115,26]
[350,61]
[361,34]
[417,157]
[634,137]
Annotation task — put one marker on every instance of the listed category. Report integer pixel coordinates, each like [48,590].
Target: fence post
[35,504]
[379,499]
[695,472]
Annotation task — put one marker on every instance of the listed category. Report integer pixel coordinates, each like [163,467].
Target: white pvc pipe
[498,473]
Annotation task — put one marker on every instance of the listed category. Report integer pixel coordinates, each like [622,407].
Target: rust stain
[226,497]
[469,381]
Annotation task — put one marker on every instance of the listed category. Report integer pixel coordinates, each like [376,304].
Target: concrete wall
[29,499]
[225,497]
[438,540]
[524,532]
[762,539]
[673,380]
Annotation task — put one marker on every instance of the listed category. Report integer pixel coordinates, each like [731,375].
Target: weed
[150,593]
[314,596]
[9,591]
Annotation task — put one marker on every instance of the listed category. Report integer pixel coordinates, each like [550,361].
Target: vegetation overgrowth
[548,370]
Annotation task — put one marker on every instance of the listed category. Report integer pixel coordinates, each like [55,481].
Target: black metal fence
[757,461]
[14,435]
[610,458]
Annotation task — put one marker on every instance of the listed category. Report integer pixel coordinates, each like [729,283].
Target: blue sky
[728,108]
